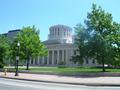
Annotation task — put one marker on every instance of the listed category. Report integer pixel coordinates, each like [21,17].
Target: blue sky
[15,14]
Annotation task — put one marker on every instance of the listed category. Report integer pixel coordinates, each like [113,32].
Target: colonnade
[54,57]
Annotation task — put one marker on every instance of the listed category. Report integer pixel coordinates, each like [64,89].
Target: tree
[100,37]
[14,51]
[4,46]
[81,40]
[114,38]
[101,24]
[30,44]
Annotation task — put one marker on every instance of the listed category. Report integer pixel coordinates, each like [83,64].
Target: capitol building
[61,47]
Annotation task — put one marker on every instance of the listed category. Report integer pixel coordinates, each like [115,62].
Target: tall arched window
[58,31]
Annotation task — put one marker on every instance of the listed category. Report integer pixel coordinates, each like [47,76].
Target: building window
[55,32]
[58,31]
[64,34]
[68,33]
[50,32]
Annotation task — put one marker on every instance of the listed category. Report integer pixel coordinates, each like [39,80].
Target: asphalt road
[9,84]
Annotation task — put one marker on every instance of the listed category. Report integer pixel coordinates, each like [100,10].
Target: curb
[85,84]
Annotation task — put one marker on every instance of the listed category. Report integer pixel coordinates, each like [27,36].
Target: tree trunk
[103,64]
[27,68]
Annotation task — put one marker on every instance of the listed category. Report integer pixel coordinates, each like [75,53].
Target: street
[9,84]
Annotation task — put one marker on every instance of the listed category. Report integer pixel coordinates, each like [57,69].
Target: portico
[56,53]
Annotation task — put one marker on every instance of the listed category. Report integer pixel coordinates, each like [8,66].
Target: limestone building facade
[60,48]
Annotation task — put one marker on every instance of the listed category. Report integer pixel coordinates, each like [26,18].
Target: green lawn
[64,70]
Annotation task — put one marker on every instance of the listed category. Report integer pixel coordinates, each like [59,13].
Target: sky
[14,14]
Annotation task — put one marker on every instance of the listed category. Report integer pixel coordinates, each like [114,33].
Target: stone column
[62,55]
[67,56]
[33,61]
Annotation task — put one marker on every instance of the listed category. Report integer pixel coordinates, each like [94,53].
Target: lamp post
[17,59]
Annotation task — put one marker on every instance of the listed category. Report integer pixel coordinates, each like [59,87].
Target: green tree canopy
[4,47]
[30,44]
[100,40]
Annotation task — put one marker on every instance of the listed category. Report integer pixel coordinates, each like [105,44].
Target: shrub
[61,64]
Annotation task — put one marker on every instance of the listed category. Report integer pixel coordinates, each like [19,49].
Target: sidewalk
[97,81]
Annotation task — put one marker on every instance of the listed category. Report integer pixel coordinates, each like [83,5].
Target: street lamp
[17,59]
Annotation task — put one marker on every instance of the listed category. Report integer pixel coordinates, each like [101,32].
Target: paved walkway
[106,81]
